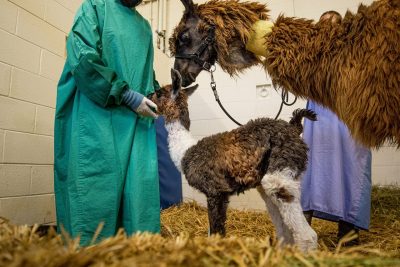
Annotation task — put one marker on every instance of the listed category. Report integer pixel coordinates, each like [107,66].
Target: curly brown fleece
[353,68]
[232,162]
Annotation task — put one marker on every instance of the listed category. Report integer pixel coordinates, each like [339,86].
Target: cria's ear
[188,4]
[190,90]
[176,82]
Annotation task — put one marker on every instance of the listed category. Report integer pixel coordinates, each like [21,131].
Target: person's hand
[147,108]
[139,103]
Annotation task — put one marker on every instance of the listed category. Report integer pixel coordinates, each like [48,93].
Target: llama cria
[265,153]
[352,68]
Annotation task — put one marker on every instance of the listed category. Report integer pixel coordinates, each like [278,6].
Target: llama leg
[284,192]
[282,232]
[217,207]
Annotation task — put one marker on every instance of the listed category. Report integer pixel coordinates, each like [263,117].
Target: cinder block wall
[32,55]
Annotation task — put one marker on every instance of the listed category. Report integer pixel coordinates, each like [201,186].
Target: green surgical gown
[105,154]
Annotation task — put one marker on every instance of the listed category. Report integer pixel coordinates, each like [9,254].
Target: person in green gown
[105,151]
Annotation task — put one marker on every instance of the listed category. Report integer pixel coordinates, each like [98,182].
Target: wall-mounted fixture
[161,40]
[263,90]
[159,21]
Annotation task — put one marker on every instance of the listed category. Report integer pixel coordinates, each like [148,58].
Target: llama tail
[299,114]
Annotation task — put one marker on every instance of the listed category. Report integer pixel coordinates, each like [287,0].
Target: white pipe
[162,14]
[151,14]
[158,16]
[165,26]
[165,15]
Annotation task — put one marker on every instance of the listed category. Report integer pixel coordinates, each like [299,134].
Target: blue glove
[139,103]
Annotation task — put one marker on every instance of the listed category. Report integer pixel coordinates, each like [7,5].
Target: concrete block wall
[32,55]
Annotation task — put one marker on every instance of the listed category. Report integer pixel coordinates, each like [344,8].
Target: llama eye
[185,37]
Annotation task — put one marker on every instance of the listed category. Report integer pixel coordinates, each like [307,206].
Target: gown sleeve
[93,77]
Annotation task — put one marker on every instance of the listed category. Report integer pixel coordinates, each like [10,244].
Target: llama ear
[176,82]
[189,6]
[190,90]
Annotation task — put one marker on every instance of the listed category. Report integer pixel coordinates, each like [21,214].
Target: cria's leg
[217,207]
[282,232]
[284,192]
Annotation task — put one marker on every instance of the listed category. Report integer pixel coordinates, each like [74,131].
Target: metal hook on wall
[161,35]
[161,24]
[162,21]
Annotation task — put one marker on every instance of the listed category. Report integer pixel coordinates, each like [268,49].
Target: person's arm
[93,77]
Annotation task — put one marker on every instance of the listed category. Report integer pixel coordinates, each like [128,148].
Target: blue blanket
[337,182]
[170,177]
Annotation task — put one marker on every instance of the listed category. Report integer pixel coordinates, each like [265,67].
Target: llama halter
[207,41]
[210,67]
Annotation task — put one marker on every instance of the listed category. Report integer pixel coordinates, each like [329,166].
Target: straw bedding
[183,242]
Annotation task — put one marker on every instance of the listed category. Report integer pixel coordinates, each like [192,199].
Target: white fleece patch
[290,212]
[179,141]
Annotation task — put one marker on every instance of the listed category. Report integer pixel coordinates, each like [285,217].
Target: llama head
[172,100]
[331,17]
[231,22]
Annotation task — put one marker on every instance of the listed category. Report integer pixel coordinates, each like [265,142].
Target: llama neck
[296,65]
[179,141]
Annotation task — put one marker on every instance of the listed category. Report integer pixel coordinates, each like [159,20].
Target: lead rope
[285,101]
[284,98]
[214,89]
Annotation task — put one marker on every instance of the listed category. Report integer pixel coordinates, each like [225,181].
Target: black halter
[208,40]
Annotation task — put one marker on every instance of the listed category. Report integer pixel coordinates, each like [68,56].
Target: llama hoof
[307,242]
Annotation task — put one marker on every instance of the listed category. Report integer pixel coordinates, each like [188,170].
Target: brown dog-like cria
[351,67]
[264,153]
